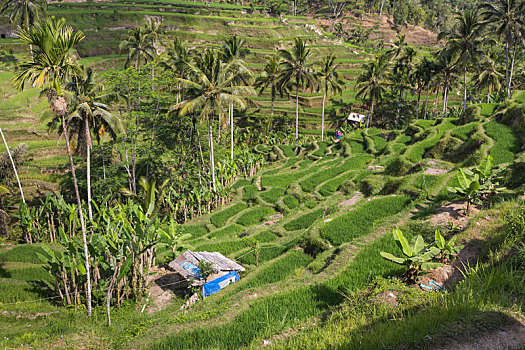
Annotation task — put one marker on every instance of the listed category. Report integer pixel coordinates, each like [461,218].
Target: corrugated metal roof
[218,261]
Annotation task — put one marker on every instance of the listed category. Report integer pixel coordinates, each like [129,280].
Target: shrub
[391,186]
[219,218]
[255,216]
[273,194]
[472,114]
[312,246]
[311,204]
[360,221]
[291,201]
[397,167]
[371,185]
[250,193]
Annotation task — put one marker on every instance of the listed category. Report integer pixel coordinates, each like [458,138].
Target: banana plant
[447,250]
[468,188]
[173,237]
[416,255]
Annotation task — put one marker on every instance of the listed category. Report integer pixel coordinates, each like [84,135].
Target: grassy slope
[289,288]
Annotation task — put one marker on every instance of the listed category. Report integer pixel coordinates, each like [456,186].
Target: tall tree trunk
[88,168]
[81,215]
[381,9]
[370,115]
[445,93]
[212,160]
[507,82]
[322,116]
[512,62]
[231,133]
[417,97]
[464,89]
[426,103]
[14,167]
[297,113]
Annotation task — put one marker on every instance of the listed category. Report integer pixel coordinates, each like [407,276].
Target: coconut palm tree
[508,19]
[234,49]
[51,65]
[489,75]
[269,80]
[24,13]
[139,45]
[209,85]
[154,31]
[88,113]
[446,67]
[464,42]
[372,82]
[297,69]
[330,81]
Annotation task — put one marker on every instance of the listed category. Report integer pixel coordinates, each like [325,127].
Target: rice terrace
[236,174]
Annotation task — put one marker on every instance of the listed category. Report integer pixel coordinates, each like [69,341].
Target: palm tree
[153,27]
[397,46]
[211,83]
[330,80]
[233,49]
[373,81]
[51,65]
[24,13]
[297,69]
[87,113]
[508,19]
[139,45]
[175,59]
[269,80]
[489,75]
[446,68]
[464,42]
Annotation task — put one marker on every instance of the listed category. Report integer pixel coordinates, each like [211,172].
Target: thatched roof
[187,261]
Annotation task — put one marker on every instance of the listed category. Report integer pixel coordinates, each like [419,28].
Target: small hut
[226,271]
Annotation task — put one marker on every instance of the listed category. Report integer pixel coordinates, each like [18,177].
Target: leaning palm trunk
[322,116]
[512,63]
[445,95]
[79,205]
[426,103]
[14,167]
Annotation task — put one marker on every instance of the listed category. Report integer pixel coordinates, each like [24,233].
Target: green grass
[279,269]
[418,150]
[255,215]
[291,201]
[304,221]
[219,218]
[352,163]
[225,248]
[487,109]
[249,193]
[360,222]
[23,253]
[323,148]
[357,147]
[265,236]
[229,231]
[195,230]
[465,131]
[273,194]
[507,142]
[288,150]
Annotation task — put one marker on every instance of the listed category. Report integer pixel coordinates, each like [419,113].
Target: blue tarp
[217,284]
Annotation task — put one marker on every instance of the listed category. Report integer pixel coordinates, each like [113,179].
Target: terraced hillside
[322,212]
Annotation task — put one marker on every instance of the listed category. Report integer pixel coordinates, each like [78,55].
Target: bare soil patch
[454,212]
[273,219]
[163,286]
[351,201]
